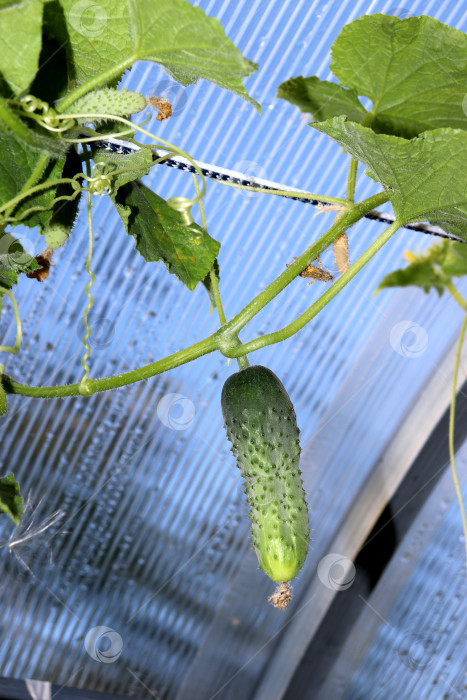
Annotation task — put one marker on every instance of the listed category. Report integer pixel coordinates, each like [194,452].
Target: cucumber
[260,421]
[56,235]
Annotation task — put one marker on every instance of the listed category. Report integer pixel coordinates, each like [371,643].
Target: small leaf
[321,98]
[11,501]
[423,175]
[134,165]
[21,35]
[160,234]
[414,71]
[418,274]
[455,260]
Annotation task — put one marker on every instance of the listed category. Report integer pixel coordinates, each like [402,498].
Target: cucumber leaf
[422,175]
[322,99]
[116,33]
[20,43]
[419,274]
[134,165]
[17,162]
[431,269]
[160,234]
[454,263]
[413,71]
[11,501]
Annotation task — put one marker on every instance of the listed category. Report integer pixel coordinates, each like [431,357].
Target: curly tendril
[84,388]
[49,118]
[183,205]
[19,333]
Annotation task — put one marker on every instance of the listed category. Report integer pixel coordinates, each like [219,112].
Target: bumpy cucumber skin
[56,235]
[109,101]
[260,421]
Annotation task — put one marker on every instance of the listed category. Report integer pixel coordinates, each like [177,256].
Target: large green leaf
[322,99]
[17,162]
[20,43]
[106,38]
[187,250]
[414,71]
[426,176]
[11,502]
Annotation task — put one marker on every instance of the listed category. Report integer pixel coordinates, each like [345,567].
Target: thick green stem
[352,180]
[452,415]
[241,361]
[204,347]
[310,313]
[217,297]
[28,191]
[350,217]
[101,79]
[15,124]
[35,175]
[227,336]
[457,296]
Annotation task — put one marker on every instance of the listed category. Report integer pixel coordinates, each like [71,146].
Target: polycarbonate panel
[149,534]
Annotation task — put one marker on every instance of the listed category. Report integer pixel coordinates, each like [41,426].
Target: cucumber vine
[414,153]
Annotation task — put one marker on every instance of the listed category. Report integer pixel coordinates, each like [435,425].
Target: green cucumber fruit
[108,101]
[260,421]
[56,235]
